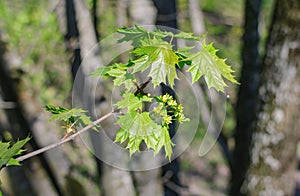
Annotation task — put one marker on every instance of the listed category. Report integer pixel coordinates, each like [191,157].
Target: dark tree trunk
[166,13]
[247,97]
[273,155]
[95,18]
[167,16]
[72,36]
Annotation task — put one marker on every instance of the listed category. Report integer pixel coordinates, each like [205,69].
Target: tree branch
[39,151]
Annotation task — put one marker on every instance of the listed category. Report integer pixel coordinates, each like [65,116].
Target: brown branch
[39,151]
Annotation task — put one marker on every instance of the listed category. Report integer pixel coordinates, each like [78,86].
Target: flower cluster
[168,109]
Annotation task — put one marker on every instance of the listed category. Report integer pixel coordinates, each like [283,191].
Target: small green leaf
[7,152]
[135,34]
[13,162]
[55,110]
[122,135]
[130,102]
[161,34]
[67,115]
[101,71]
[137,127]
[164,140]
[206,63]
[162,59]
[186,36]
[71,117]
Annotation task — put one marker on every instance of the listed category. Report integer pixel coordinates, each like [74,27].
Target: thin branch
[39,151]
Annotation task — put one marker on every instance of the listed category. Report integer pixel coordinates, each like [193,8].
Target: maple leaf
[136,127]
[132,102]
[165,141]
[101,71]
[162,59]
[7,152]
[69,116]
[187,36]
[135,34]
[206,63]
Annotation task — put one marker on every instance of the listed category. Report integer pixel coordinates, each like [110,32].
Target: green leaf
[162,59]
[161,34]
[186,36]
[55,110]
[183,54]
[121,76]
[164,140]
[7,152]
[130,101]
[206,63]
[122,135]
[101,71]
[72,116]
[135,34]
[137,127]
[68,115]
[85,120]
[12,162]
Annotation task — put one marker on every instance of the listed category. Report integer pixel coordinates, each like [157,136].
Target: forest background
[42,44]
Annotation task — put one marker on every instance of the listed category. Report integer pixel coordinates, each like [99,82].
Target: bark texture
[246,107]
[273,163]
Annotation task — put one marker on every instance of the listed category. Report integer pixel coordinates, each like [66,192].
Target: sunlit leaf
[162,60]
[206,63]
[8,151]
[186,36]
[135,34]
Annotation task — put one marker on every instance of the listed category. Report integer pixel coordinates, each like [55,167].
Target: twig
[39,151]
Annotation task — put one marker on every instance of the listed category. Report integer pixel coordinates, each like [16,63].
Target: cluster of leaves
[139,126]
[8,151]
[71,118]
[152,52]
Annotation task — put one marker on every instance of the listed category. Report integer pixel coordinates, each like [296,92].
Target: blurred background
[42,44]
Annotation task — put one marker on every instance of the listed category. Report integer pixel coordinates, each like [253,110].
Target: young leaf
[55,110]
[161,34]
[101,71]
[122,77]
[68,115]
[206,63]
[137,127]
[164,140]
[186,36]
[132,102]
[162,59]
[7,152]
[135,34]
[183,54]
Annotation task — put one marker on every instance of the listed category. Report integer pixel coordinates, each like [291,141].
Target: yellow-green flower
[167,119]
[172,102]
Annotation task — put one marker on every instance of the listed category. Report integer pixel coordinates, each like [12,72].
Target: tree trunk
[246,107]
[148,182]
[273,163]
[110,175]
[30,179]
[167,17]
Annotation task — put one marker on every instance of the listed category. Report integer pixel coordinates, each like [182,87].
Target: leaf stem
[46,148]
[171,40]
